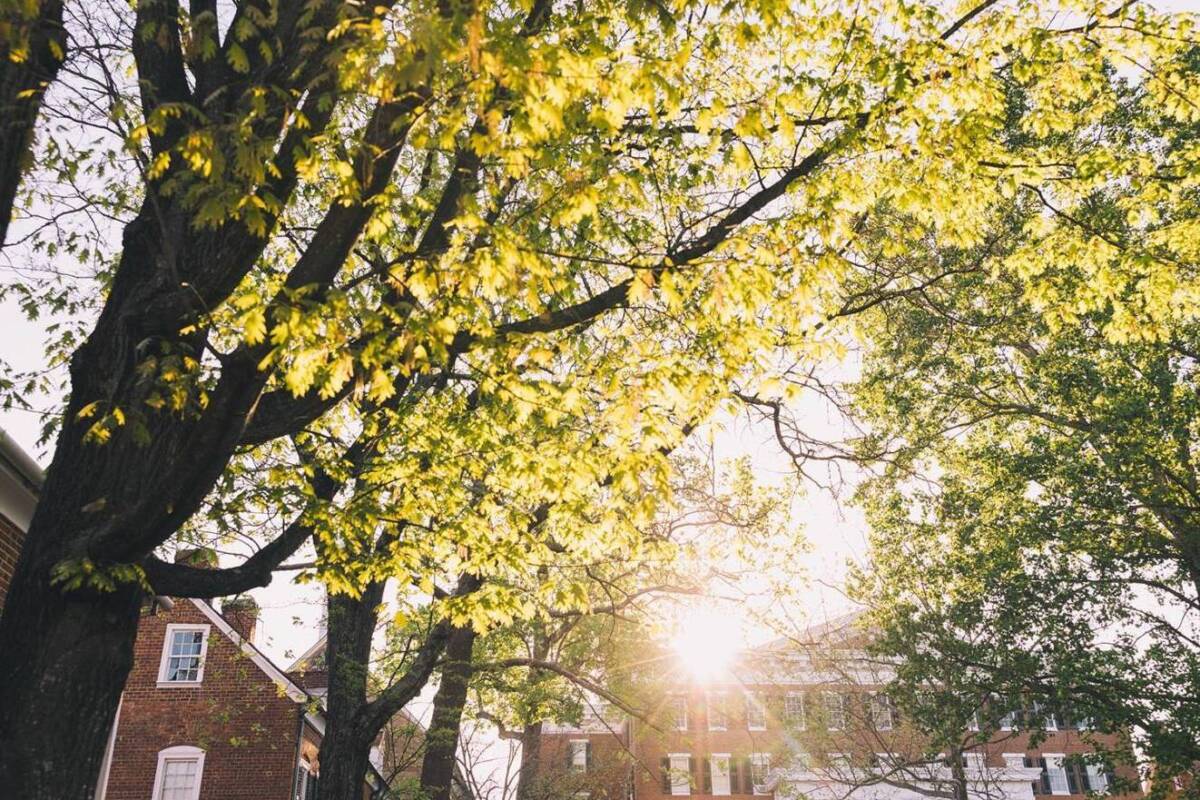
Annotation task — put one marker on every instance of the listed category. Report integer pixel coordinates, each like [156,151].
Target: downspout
[299,751]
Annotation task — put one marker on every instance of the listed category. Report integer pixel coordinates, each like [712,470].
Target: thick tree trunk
[346,748]
[441,740]
[531,759]
[23,84]
[65,658]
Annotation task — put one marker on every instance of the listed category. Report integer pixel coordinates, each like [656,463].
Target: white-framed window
[976,761]
[179,772]
[579,754]
[1056,771]
[306,782]
[793,710]
[883,714]
[681,773]
[718,766]
[1097,778]
[184,650]
[756,711]
[760,768]
[839,760]
[835,711]
[718,711]
[678,704]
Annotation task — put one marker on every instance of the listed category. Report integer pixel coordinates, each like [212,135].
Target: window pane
[179,779]
[183,663]
[793,709]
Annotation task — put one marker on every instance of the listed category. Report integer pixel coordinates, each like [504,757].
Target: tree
[1035,528]
[332,205]
[33,46]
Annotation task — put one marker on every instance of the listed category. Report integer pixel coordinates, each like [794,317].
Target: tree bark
[441,740]
[22,86]
[346,748]
[531,758]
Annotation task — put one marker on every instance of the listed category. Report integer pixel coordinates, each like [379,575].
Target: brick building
[205,715]
[786,723]
[20,479]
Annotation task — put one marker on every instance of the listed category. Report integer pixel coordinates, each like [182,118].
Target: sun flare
[705,642]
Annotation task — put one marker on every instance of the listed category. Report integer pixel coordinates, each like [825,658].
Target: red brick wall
[11,538]
[246,726]
[607,777]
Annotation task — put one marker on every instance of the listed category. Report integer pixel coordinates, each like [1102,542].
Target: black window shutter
[706,767]
[1072,777]
[734,786]
[692,771]
[1045,776]
[587,756]
[748,775]
[666,775]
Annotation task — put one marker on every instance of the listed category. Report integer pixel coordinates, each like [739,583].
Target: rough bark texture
[441,740]
[531,758]
[23,82]
[345,750]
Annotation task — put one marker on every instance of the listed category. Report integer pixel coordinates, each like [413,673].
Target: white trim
[164,661]
[680,702]
[708,710]
[789,717]
[571,745]
[712,774]
[1054,763]
[757,702]
[179,753]
[106,765]
[684,786]
[765,760]
[290,687]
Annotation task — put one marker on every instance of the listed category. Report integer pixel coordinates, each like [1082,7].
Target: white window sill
[179,684]
[756,728]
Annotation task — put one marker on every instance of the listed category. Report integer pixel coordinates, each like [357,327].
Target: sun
[705,642]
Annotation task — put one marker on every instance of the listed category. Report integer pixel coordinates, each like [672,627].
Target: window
[1095,778]
[718,713]
[1056,772]
[883,715]
[835,711]
[677,774]
[306,782]
[976,761]
[719,781]
[183,654]
[580,755]
[793,709]
[760,767]
[756,712]
[178,774]
[679,711]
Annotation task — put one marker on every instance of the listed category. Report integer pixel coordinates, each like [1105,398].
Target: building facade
[787,724]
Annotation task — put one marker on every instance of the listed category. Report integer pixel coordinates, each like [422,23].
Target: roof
[292,689]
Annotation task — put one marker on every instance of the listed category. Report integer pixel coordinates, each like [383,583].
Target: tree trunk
[65,660]
[22,86]
[531,758]
[441,740]
[346,748]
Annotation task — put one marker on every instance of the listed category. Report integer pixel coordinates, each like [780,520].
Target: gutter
[24,465]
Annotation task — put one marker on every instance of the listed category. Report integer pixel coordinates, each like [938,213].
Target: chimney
[242,614]
[201,557]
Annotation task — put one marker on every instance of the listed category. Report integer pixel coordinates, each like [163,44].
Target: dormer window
[184,649]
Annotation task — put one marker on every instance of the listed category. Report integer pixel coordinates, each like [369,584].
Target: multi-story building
[789,721]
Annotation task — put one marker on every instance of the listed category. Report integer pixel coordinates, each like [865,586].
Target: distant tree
[1036,529]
